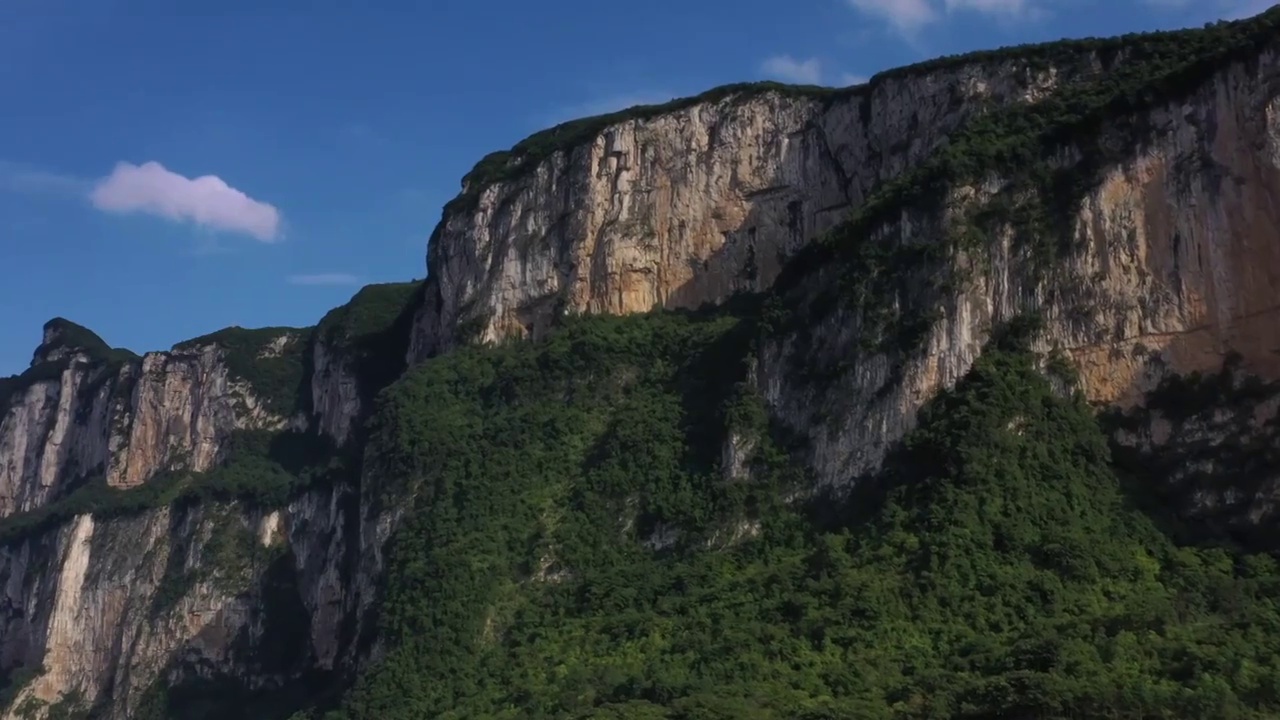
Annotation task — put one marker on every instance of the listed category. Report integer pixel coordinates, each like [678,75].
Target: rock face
[108,605]
[1217,462]
[185,405]
[124,422]
[41,445]
[1170,265]
[102,606]
[335,388]
[1173,264]
[1184,239]
[1175,258]
[688,206]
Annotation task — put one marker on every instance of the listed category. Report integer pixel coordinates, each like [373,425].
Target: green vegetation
[274,362]
[226,697]
[69,707]
[281,652]
[261,468]
[373,330]
[14,682]
[1219,462]
[65,335]
[994,568]
[1036,57]
[597,358]
[230,557]
[498,442]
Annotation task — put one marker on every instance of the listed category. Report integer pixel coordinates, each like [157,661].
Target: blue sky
[165,172]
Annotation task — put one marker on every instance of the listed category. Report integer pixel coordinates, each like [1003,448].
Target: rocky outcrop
[184,406]
[46,442]
[106,595]
[1176,251]
[102,605]
[1174,255]
[1171,264]
[77,416]
[335,392]
[99,606]
[1185,239]
[182,595]
[356,350]
[1208,444]
[688,206]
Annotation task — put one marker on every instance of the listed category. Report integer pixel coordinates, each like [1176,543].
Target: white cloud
[1008,8]
[852,79]
[904,15]
[324,279]
[21,177]
[206,200]
[909,16]
[789,69]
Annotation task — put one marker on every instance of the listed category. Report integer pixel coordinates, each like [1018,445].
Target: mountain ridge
[521,489]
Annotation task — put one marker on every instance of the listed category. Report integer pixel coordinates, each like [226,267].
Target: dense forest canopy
[1002,572]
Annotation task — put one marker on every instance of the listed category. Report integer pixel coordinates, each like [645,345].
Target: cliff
[186,516]
[658,333]
[674,206]
[1134,213]
[1152,161]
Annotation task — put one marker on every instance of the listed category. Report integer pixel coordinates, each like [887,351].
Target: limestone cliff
[1172,260]
[80,412]
[202,519]
[674,207]
[359,348]
[131,565]
[1160,257]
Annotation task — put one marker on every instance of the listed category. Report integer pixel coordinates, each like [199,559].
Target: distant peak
[63,338]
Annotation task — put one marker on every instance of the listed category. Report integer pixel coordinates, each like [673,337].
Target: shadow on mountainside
[191,688]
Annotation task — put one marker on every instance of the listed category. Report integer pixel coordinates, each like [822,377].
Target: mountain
[951,395]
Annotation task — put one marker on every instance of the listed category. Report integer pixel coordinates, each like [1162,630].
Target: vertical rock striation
[1165,265]
[686,206]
